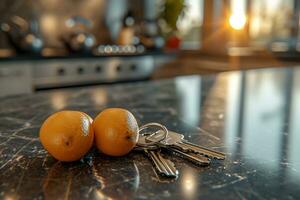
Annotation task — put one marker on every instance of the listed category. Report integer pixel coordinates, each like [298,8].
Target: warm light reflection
[58,100]
[237,21]
[49,23]
[189,183]
[99,96]
[11,197]
[112,64]
[99,195]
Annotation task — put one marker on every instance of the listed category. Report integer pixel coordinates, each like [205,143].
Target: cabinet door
[15,79]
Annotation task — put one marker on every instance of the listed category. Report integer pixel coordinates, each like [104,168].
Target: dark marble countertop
[253,116]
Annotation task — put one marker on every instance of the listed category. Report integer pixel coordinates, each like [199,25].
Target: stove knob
[80,70]
[133,67]
[61,71]
[118,68]
[98,69]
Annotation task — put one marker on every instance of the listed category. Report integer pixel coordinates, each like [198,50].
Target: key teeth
[213,157]
[170,172]
[171,166]
[174,170]
[174,175]
[202,163]
[210,152]
[189,150]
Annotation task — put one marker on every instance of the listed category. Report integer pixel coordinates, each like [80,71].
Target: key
[190,156]
[194,158]
[163,166]
[176,140]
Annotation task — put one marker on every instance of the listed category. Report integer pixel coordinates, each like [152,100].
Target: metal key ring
[152,143]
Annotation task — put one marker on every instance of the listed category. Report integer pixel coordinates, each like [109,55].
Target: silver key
[176,140]
[194,158]
[190,156]
[163,166]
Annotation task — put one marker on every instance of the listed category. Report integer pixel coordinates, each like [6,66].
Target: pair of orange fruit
[68,135]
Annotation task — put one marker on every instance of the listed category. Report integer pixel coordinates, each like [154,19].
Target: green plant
[170,12]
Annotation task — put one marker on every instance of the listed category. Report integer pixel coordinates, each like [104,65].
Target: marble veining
[251,116]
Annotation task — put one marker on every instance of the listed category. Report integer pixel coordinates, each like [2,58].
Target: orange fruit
[67,135]
[116,131]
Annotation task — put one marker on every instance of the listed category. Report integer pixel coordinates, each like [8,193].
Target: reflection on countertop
[251,115]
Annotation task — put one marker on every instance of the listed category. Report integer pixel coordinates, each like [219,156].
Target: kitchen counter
[253,116]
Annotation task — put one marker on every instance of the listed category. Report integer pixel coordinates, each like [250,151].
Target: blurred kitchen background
[46,44]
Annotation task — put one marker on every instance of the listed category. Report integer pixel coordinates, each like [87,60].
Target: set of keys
[151,143]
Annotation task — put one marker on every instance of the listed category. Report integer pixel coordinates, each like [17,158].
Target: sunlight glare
[237,21]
